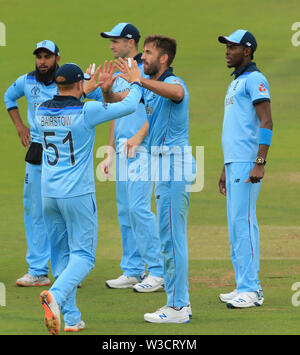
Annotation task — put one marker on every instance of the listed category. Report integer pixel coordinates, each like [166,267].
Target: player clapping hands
[106,77]
[129,69]
[102,77]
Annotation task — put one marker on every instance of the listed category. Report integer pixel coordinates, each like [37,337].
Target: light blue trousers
[72,226]
[243,226]
[172,202]
[38,246]
[140,240]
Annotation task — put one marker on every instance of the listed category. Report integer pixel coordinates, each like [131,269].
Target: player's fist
[105,166]
[222,183]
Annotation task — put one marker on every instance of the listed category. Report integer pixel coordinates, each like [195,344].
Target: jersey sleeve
[96,113]
[95,95]
[14,92]
[257,88]
[176,81]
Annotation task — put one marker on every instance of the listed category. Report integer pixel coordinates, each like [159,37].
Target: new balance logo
[237,180]
[240,300]
[162,316]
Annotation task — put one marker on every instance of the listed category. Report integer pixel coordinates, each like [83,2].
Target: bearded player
[37,86]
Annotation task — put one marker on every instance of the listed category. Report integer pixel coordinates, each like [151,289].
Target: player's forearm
[263,151]
[170,91]
[22,130]
[16,118]
[263,111]
[111,97]
[143,131]
[111,140]
[96,113]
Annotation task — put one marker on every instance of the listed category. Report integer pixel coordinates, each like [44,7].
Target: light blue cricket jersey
[168,120]
[241,123]
[125,129]
[67,130]
[35,92]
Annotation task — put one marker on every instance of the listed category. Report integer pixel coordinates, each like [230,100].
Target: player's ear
[57,59]
[164,58]
[132,43]
[247,51]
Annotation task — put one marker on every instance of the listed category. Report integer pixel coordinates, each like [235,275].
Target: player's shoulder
[31,76]
[173,79]
[176,80]
[253,73]
[170,77]
[62,102]
[20,80]
[256,78]
[256,74]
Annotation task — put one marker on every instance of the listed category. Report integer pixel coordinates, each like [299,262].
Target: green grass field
[196,24]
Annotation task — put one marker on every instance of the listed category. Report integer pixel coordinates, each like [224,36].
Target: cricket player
[140,241]
[37,86]
[67,130]
[167,103]
[246,137]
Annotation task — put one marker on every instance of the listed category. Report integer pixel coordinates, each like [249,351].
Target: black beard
[152,70]
[47,77]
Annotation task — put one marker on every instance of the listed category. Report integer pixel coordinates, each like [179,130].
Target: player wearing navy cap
[139,234]
[37,86]
[246,137]
[67,130]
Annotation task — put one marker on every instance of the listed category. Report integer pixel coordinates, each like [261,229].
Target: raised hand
[129,69]
[92,84]
[102,77]
[106,78]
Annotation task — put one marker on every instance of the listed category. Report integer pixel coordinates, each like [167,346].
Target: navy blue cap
[72,73]
[49,45]
[240,37]
[123,30]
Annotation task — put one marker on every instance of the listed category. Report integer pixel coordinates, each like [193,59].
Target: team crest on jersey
[35,91]
[149,109]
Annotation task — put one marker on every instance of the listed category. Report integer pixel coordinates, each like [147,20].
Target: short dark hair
[252,52]
[166,45]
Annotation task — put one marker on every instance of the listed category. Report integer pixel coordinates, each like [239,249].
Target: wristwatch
[260,161]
